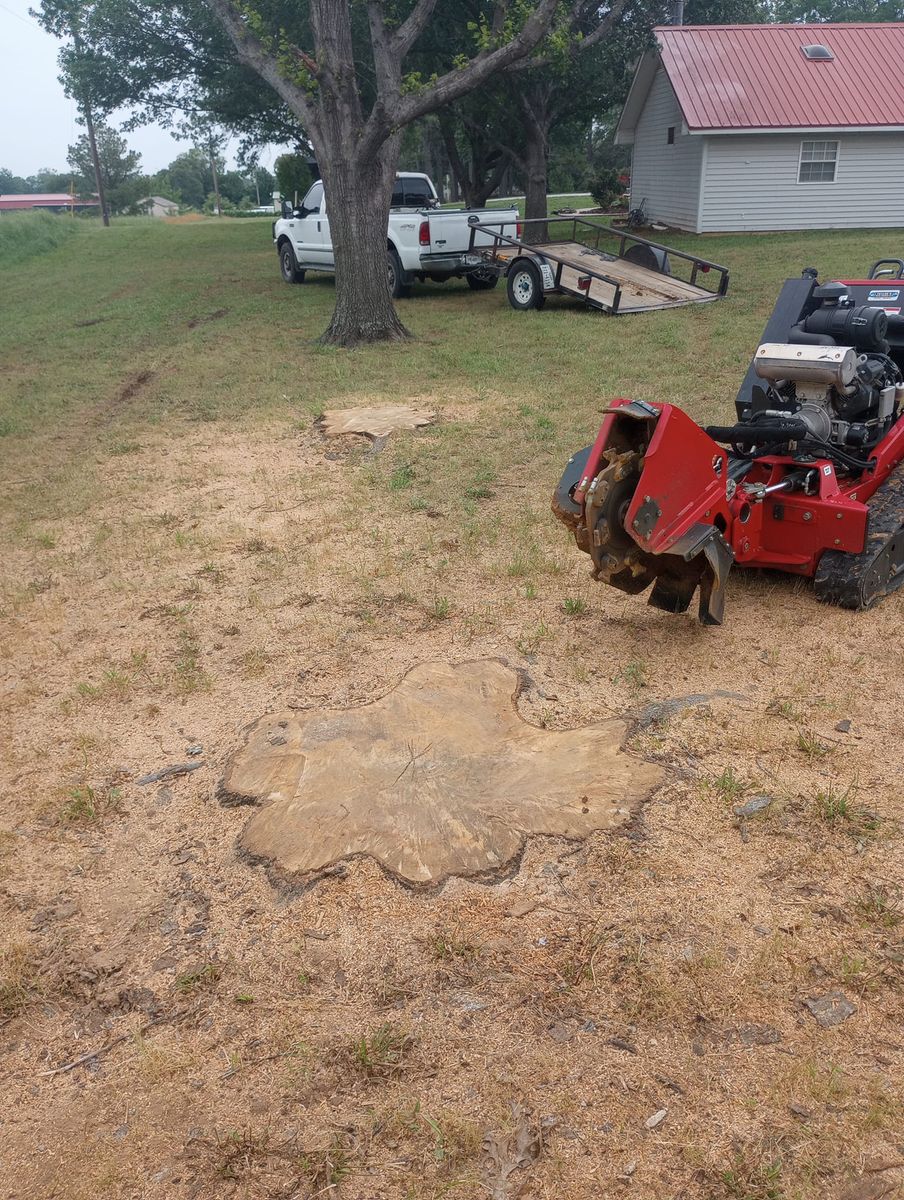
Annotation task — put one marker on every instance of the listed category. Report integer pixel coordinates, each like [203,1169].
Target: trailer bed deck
[608,281]
[641,288]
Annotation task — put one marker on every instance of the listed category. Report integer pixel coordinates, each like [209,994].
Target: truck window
[314,197]
[417,193]
[411,193]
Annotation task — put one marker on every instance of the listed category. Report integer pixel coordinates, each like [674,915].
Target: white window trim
[800,159]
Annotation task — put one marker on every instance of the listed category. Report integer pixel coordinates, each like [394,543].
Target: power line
[25,20]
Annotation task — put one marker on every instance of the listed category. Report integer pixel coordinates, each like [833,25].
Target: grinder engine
[834,376]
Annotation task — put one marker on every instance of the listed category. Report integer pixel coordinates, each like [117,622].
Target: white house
[769,127]
[158,206]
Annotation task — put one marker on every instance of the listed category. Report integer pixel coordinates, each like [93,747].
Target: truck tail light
[519,229]
[423,235]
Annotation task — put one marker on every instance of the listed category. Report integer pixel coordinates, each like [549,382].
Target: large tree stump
[439,777]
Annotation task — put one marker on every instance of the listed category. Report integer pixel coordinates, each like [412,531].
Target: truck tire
[482,281]
[288,264]
[398,288]
[525,287]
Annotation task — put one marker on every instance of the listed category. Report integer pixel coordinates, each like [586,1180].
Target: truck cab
[422,240]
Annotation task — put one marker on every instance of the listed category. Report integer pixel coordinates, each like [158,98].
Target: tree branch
[447,133]
[253,54]
[457,83]
[412,28]
[506,151]
[578,46]
[387,61]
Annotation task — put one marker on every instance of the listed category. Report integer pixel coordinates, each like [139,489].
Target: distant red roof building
[758,76]
[55,200]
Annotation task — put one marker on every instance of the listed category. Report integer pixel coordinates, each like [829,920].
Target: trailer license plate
[549,281]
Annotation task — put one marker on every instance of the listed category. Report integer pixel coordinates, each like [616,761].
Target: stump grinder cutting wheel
[809,480]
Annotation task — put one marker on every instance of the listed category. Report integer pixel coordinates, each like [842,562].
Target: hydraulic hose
[759,434]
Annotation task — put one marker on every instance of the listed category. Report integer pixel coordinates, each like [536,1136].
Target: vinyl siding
[750,182]
[667,177]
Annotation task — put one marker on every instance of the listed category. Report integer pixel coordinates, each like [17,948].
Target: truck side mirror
[286,208]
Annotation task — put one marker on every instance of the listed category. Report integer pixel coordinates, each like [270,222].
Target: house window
[818,161]
[670,136]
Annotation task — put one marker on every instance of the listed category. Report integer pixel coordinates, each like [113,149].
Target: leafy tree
[293,175]
[47,180]
[604,186]
[263,183]
[235,187]
[11,184]
[190,178]
[124,183]
[540,114]
[818,11]
[339,69]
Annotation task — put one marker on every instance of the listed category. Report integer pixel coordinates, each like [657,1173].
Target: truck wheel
[525,287]
[398,288]
[288,264]
[482,281]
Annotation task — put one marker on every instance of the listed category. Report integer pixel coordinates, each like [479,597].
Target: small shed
[158,206]
[760,127]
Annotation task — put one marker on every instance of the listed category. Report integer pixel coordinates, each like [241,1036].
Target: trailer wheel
[288,264]
[525,287]
[482,281]
[398,288]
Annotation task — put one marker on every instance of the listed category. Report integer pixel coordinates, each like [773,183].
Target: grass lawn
[183,551]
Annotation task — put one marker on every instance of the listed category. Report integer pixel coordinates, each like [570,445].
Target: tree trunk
[536,123]
[95,159]
[357,198]
[536,162]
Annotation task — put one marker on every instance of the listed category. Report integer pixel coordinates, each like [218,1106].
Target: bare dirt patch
[133,385]
[628,1015]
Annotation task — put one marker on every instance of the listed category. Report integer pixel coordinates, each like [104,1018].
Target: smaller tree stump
[440,777]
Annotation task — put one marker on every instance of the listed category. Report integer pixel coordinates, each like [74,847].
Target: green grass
[151,327]
[150,358]
[26,234]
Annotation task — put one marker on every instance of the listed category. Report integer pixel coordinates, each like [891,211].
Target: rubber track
[844,579]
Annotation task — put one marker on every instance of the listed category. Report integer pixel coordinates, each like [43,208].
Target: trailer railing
[602,238]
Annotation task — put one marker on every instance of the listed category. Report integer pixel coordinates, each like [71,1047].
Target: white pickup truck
[423,241]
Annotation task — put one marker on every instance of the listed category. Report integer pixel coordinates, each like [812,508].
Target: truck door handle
[318,226]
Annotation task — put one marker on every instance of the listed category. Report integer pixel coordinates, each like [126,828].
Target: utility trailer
[611,270]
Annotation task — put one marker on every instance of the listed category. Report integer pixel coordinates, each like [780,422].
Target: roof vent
[817,53]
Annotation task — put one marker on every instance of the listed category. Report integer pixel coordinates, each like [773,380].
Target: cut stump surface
[439,777]
[376,422]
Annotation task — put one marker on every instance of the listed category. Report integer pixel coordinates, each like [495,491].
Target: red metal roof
[41,200]
[756,76]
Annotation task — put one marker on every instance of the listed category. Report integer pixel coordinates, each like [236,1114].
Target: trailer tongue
[809,480]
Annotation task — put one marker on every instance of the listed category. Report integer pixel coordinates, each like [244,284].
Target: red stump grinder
[810,480]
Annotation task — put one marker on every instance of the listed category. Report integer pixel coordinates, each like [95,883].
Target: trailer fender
[547,274]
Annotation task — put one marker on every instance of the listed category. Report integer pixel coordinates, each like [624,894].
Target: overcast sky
[38,121]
